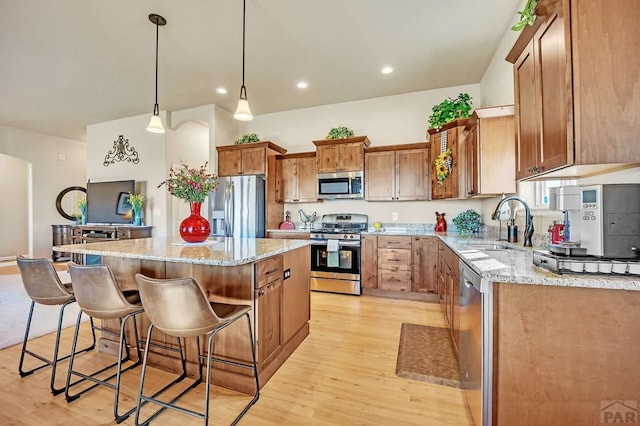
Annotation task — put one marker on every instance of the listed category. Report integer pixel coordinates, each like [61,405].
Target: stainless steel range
[335,253]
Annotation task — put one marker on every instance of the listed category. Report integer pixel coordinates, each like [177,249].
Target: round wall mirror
[67,201]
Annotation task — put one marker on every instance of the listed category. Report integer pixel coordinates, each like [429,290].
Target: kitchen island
[270,275]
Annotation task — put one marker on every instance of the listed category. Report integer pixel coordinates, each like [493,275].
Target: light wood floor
[342,374]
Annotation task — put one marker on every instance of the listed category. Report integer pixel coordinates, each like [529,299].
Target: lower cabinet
[399,263]
[449,290]
[268,310]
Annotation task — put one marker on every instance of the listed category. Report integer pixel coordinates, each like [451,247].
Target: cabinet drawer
[394,259]
[268,270]
[396,242]
[394,280]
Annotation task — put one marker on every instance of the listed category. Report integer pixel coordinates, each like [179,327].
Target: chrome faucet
[528,227]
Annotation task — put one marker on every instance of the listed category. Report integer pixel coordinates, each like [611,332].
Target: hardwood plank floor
[342,374]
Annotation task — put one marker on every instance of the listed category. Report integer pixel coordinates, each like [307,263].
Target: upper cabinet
[341,155]
[246,159]
[447,143]
[490,152]
[296,178]
[576,88]
[397,172]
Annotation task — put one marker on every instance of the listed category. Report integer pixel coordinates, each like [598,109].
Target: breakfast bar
[270,275]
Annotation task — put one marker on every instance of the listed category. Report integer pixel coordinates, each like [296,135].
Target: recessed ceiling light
[302,85]
[387,70]
[221,90]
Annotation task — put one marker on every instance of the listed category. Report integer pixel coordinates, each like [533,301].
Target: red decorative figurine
[441,223]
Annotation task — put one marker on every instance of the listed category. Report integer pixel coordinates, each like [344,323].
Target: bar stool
[42,284]
[100,297]
[179,307]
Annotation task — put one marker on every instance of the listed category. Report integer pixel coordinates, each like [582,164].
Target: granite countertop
[515,265]
[214,251]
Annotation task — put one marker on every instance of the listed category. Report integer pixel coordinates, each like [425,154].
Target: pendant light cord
[243,89]
[156,108]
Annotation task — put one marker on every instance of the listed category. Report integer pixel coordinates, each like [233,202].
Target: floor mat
[426,353]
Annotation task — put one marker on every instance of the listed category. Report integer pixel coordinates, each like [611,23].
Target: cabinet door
[230,162]
[379,176]
[254,161]
[326,159]
[350,157]
[424,264]
[411,174]
[369,263]
[287,172]
[307,180]
[554,89]
[269,311]
[526,114]
[449,187]
[295,293]
[472,184]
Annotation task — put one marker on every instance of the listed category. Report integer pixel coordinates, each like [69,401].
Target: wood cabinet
[394,263]
[296,178]
[296,299]
[369,261]
[451,137]
[424,265]
[246,159]
[268,302]
[449,290]
[399,262]
[490,146]
[341,155]
[397,172]
[575,98]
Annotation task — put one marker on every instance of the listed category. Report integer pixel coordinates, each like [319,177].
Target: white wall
[16,191]
[50,175]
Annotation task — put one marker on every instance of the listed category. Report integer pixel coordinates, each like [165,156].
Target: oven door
[347,260]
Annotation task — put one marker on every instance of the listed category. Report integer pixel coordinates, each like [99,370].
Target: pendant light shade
[243,112]
[155,125]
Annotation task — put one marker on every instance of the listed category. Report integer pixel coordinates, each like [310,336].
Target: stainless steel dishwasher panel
[475,344]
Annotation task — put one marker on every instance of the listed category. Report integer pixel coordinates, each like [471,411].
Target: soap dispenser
[512,231]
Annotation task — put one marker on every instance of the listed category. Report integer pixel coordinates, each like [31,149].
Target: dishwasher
[476,353]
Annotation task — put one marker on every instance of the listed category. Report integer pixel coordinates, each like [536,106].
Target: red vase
[195,228]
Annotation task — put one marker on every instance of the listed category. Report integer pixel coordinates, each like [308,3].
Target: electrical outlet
[62,157]
[394,216]
[286,274]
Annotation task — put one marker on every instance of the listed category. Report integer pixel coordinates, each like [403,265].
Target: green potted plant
[449,110]
[248,138]
[467,222]
[527,15]
[340,132]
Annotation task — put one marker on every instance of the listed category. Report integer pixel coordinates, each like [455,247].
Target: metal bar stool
[179,307]
[99,296]
[42,284]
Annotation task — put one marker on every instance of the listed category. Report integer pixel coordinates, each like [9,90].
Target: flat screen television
[108,202]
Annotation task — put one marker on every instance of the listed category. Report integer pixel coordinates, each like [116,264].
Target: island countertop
[217,251]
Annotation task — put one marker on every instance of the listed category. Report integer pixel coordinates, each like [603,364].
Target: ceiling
[66,64]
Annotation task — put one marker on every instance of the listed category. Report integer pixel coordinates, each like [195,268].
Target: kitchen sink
[488,247]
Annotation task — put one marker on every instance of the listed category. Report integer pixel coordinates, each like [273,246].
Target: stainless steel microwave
[347,185]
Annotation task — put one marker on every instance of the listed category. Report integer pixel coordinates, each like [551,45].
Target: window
[541,191]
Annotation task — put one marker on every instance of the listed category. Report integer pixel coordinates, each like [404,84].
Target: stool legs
[142,399]
[53,362]
[122,343]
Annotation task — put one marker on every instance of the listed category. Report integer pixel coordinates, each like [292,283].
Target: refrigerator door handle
[228,210]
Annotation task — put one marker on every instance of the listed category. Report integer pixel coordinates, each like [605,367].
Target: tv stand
[95,233]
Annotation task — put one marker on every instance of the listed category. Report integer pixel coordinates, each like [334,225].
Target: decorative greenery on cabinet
[449,110]
[248,138]
[340,132]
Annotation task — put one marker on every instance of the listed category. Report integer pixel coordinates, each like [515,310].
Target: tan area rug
[426,353]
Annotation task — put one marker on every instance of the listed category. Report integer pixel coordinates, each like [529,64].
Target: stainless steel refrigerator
[237,207]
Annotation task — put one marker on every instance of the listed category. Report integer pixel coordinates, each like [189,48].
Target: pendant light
[155,125]
[243,113]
